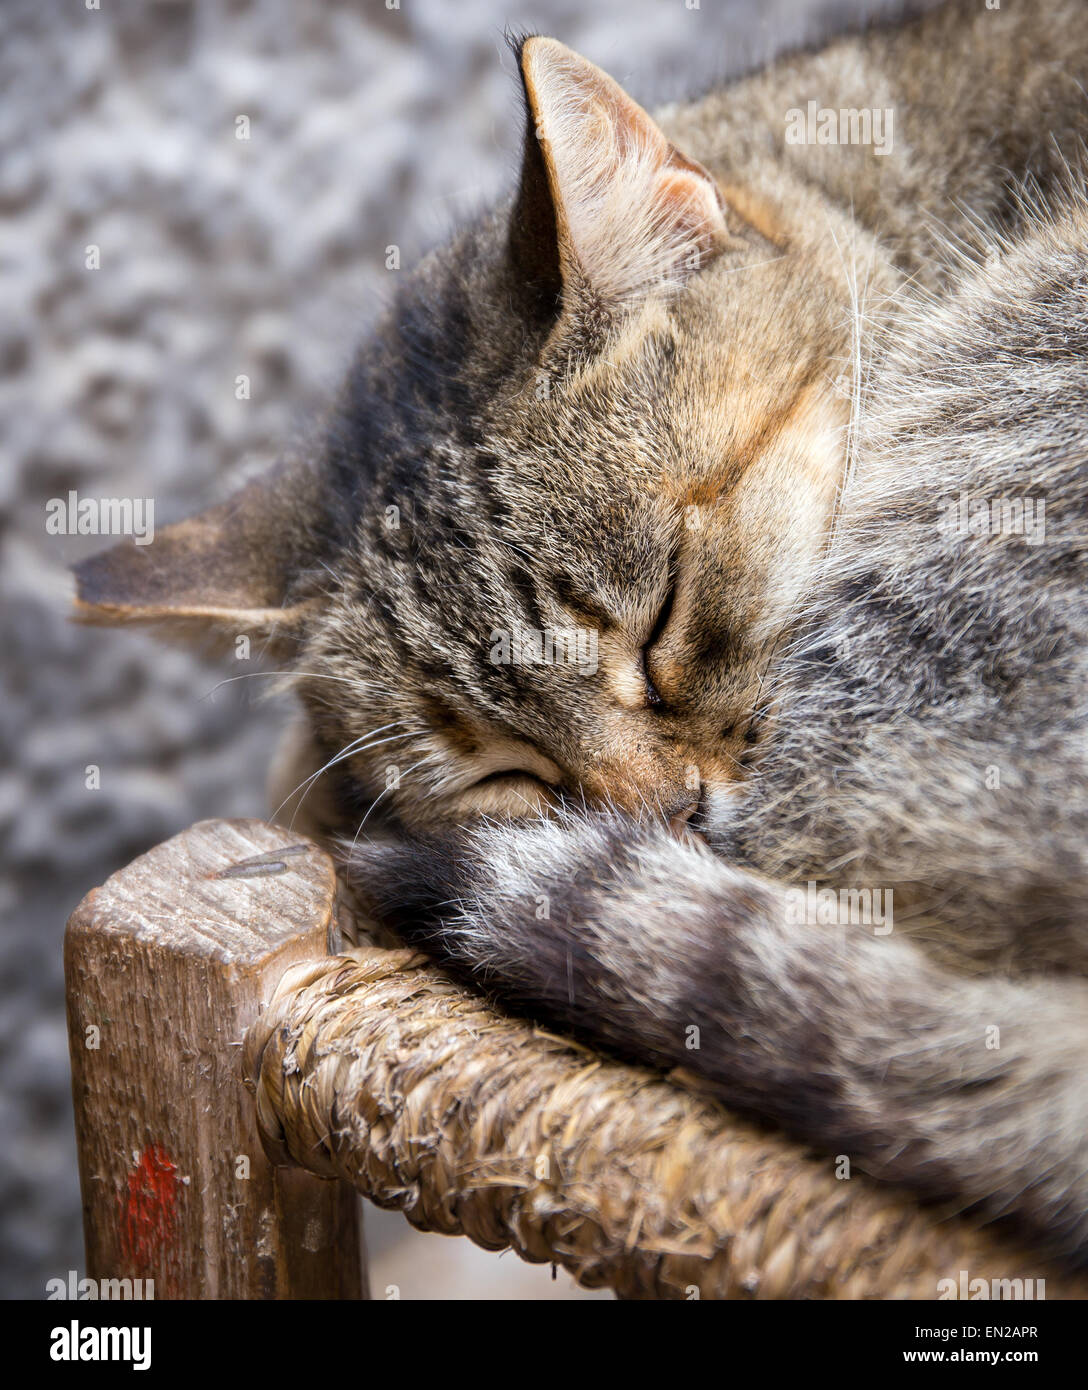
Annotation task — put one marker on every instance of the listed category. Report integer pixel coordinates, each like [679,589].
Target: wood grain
[166,966]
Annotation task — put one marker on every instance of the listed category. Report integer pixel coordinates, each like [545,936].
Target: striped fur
[949,1053]
[708,395]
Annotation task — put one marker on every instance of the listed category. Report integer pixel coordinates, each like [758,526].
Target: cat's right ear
[607,209]
[229,572]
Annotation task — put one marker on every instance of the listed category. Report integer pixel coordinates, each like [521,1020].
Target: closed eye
[511,792]
[661,622]
[503,760]
[543,773]
[512,774]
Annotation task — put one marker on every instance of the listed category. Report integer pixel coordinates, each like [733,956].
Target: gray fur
[727,455]
[918,664]
[915,669]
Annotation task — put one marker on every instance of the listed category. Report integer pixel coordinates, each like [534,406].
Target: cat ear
[606,204]
[225,573]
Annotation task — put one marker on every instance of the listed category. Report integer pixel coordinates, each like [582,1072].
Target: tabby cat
[695,558]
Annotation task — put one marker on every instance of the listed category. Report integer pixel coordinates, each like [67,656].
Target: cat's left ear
[232,571]
[607,208]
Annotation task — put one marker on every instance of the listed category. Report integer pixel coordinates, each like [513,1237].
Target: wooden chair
[238,1076]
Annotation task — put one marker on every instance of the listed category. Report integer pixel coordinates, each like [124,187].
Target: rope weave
[373,1067]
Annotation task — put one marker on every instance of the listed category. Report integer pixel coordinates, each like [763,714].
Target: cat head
[567,498]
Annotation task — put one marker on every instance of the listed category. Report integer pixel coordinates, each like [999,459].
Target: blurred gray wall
[219,257]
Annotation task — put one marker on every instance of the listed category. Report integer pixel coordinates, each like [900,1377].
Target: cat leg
[964,1088]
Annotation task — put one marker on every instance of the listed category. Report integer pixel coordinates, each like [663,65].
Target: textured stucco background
[369,126]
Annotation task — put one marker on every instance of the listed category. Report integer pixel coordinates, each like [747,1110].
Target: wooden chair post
[166,966]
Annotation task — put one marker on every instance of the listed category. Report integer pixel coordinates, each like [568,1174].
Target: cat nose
[641,779]
[679,815]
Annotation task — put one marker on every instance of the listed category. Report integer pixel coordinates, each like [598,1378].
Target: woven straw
[375,1068]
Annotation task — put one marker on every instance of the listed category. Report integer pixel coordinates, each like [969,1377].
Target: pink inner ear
[633,211]
[690,203]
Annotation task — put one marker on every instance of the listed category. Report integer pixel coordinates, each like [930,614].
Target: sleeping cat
[688,602]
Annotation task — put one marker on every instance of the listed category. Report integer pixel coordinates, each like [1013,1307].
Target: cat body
[647,626]
[926,748]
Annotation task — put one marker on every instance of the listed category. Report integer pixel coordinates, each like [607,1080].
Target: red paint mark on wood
[149,1207]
